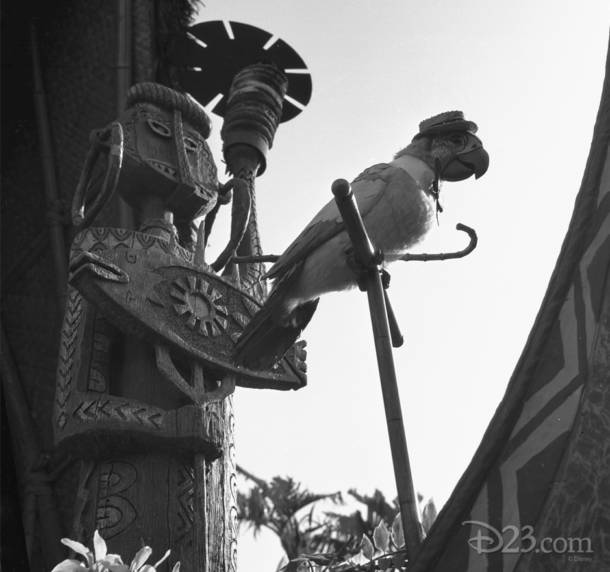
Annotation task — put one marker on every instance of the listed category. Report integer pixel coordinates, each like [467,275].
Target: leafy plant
[100,561]
[286,508]
[367,539]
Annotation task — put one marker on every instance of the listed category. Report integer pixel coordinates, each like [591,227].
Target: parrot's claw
[385,278]
[361,271]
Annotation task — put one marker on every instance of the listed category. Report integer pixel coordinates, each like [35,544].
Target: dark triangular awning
[544,461]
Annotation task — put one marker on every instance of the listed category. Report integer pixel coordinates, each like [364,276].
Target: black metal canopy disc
[211,53]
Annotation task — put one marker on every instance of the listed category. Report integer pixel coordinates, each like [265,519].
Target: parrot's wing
[368,188]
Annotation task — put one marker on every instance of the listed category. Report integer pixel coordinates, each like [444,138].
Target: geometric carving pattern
[231,501]
[184,497]
[115,513]
[89,423]
[147,287]
[199,304]
[67,348]
[547,416]
[97,380]
[96,239]
[112,409]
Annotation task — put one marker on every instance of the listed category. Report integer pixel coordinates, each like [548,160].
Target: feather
[269,334]
[369,189]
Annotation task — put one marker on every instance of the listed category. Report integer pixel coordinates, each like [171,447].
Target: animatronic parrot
[397,201]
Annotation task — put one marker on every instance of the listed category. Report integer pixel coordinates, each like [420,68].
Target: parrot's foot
[385,278]
[361,271]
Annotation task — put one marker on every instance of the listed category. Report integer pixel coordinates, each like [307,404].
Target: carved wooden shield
[149,287]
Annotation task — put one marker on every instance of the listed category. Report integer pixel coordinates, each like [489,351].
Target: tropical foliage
[99,560]
[370,538]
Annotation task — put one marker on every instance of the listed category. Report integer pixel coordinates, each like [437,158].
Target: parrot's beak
[474,160]
[477,160]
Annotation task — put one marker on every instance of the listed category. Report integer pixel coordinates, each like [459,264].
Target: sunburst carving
[200,304]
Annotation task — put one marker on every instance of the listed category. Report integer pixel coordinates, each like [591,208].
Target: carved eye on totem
[190,145]
[159,128]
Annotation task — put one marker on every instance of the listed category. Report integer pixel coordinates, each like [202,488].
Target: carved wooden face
[152,163]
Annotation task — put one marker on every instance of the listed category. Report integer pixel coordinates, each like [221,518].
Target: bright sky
[530,74]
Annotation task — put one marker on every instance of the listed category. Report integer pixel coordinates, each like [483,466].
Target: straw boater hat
[446,123]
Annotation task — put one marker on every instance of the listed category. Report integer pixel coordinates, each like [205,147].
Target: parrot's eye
[159,128]
[457,140]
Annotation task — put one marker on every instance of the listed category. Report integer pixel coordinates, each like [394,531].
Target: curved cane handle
[109,140]
[448,255]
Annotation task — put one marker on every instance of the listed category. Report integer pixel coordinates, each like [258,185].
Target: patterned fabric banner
[536,496]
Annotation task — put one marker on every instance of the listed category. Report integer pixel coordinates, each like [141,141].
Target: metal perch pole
[365,255]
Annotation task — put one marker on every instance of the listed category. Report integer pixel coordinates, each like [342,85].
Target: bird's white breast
[397,221]
[416,168]
[406,213]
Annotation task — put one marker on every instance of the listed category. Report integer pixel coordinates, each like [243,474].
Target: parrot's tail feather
[266,338]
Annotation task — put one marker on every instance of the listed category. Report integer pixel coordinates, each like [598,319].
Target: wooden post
[156,419]
[39,499]
[156,467]
[52,194]
[365,255]
[123,81]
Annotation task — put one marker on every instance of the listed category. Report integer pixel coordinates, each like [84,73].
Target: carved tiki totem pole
[146,369]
